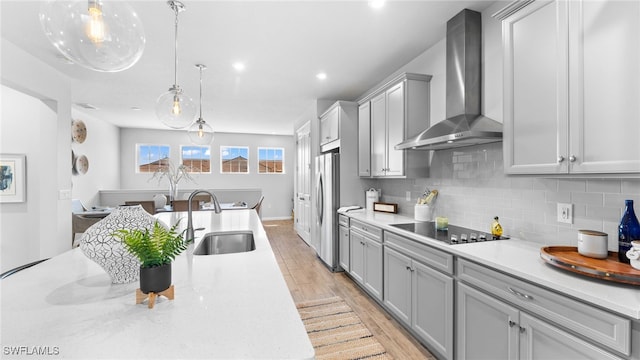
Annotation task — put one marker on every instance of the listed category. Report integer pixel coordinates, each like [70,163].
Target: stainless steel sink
[226,242]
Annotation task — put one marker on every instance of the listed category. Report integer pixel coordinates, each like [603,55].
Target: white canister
[593,244]
[423,212]
[372,195]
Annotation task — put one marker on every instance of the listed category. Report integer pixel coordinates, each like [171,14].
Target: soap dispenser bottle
[496,228]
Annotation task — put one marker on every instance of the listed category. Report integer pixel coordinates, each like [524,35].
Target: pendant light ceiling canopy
[101,35]
[174,108]
[200,133]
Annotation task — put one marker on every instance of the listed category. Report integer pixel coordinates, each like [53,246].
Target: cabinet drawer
[372,231]
[597,325]
[424,253]
[343,220]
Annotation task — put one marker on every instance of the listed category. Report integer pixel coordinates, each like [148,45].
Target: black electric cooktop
[453,235]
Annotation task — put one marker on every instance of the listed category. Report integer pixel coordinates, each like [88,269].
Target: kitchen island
[226,306]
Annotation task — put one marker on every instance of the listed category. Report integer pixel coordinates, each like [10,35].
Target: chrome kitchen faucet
[189,235]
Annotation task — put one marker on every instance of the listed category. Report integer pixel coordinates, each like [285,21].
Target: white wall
[102,148]
[276,188]
[472,184]
[40,227]
[23,228]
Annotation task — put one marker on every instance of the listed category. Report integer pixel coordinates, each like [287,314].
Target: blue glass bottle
[628,231]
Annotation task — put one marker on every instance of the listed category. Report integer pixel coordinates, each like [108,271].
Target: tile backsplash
[473,189]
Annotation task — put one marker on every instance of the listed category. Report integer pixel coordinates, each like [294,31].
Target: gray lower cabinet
[356,267]
[344,246]
[418,295]
[488,328]
[366,261]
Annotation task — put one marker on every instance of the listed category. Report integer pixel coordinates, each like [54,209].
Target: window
[271,160]
[151,157]
[234,159]
[196,158]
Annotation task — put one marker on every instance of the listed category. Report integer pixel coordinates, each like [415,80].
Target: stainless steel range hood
[464,125]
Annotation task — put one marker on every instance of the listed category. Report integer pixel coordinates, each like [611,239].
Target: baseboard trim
[277,218]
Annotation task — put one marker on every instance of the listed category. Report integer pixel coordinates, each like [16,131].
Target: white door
[303,180]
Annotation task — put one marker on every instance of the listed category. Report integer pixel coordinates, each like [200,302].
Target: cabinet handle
[572,158]
[522,330]
[518,293]
[512,323]
[409,268]
[560,158]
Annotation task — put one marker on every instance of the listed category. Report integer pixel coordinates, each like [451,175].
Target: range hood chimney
[464,125]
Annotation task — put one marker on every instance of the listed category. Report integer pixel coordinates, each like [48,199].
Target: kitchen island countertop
[521,258]
[226,306]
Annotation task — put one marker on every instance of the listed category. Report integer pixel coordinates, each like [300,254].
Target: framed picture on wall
[13,178]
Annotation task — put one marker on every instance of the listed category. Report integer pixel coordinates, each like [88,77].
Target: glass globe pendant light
[174,108]
[200,133]
[101,35]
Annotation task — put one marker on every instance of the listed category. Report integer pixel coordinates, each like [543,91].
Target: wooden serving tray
[568,258]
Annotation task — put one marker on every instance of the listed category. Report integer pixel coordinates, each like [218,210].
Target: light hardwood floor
[309,279]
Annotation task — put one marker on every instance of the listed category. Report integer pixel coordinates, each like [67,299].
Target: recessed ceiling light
[376,4]
[321,76]
[238,66]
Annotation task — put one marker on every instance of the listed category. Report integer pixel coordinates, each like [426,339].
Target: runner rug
[336,332]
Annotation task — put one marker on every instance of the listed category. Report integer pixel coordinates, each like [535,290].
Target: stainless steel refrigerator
[327,201]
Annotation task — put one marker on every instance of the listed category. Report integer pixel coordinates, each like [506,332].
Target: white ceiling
[283,43]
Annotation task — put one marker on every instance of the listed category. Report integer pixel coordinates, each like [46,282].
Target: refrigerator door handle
[320,198]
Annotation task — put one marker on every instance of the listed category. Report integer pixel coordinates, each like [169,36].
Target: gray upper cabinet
[335,124]
[571,87]
[364,139]
[388,115]
[330,128]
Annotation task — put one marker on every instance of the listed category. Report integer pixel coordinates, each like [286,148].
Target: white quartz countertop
[230,306]
[522,259]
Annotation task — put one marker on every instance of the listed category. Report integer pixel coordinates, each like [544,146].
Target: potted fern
[156,249]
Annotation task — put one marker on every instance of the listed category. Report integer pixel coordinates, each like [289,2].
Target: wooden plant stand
[141,297]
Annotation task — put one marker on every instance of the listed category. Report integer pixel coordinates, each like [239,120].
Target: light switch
[64,194]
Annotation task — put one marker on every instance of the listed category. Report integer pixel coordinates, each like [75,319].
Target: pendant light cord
[175,48]
[201,66]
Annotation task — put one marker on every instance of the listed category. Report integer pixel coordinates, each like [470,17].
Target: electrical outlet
[565,213]
[408,196]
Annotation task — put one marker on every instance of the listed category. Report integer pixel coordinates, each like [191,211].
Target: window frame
[267,148]
[207,148]
[137,159]
[224,147]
